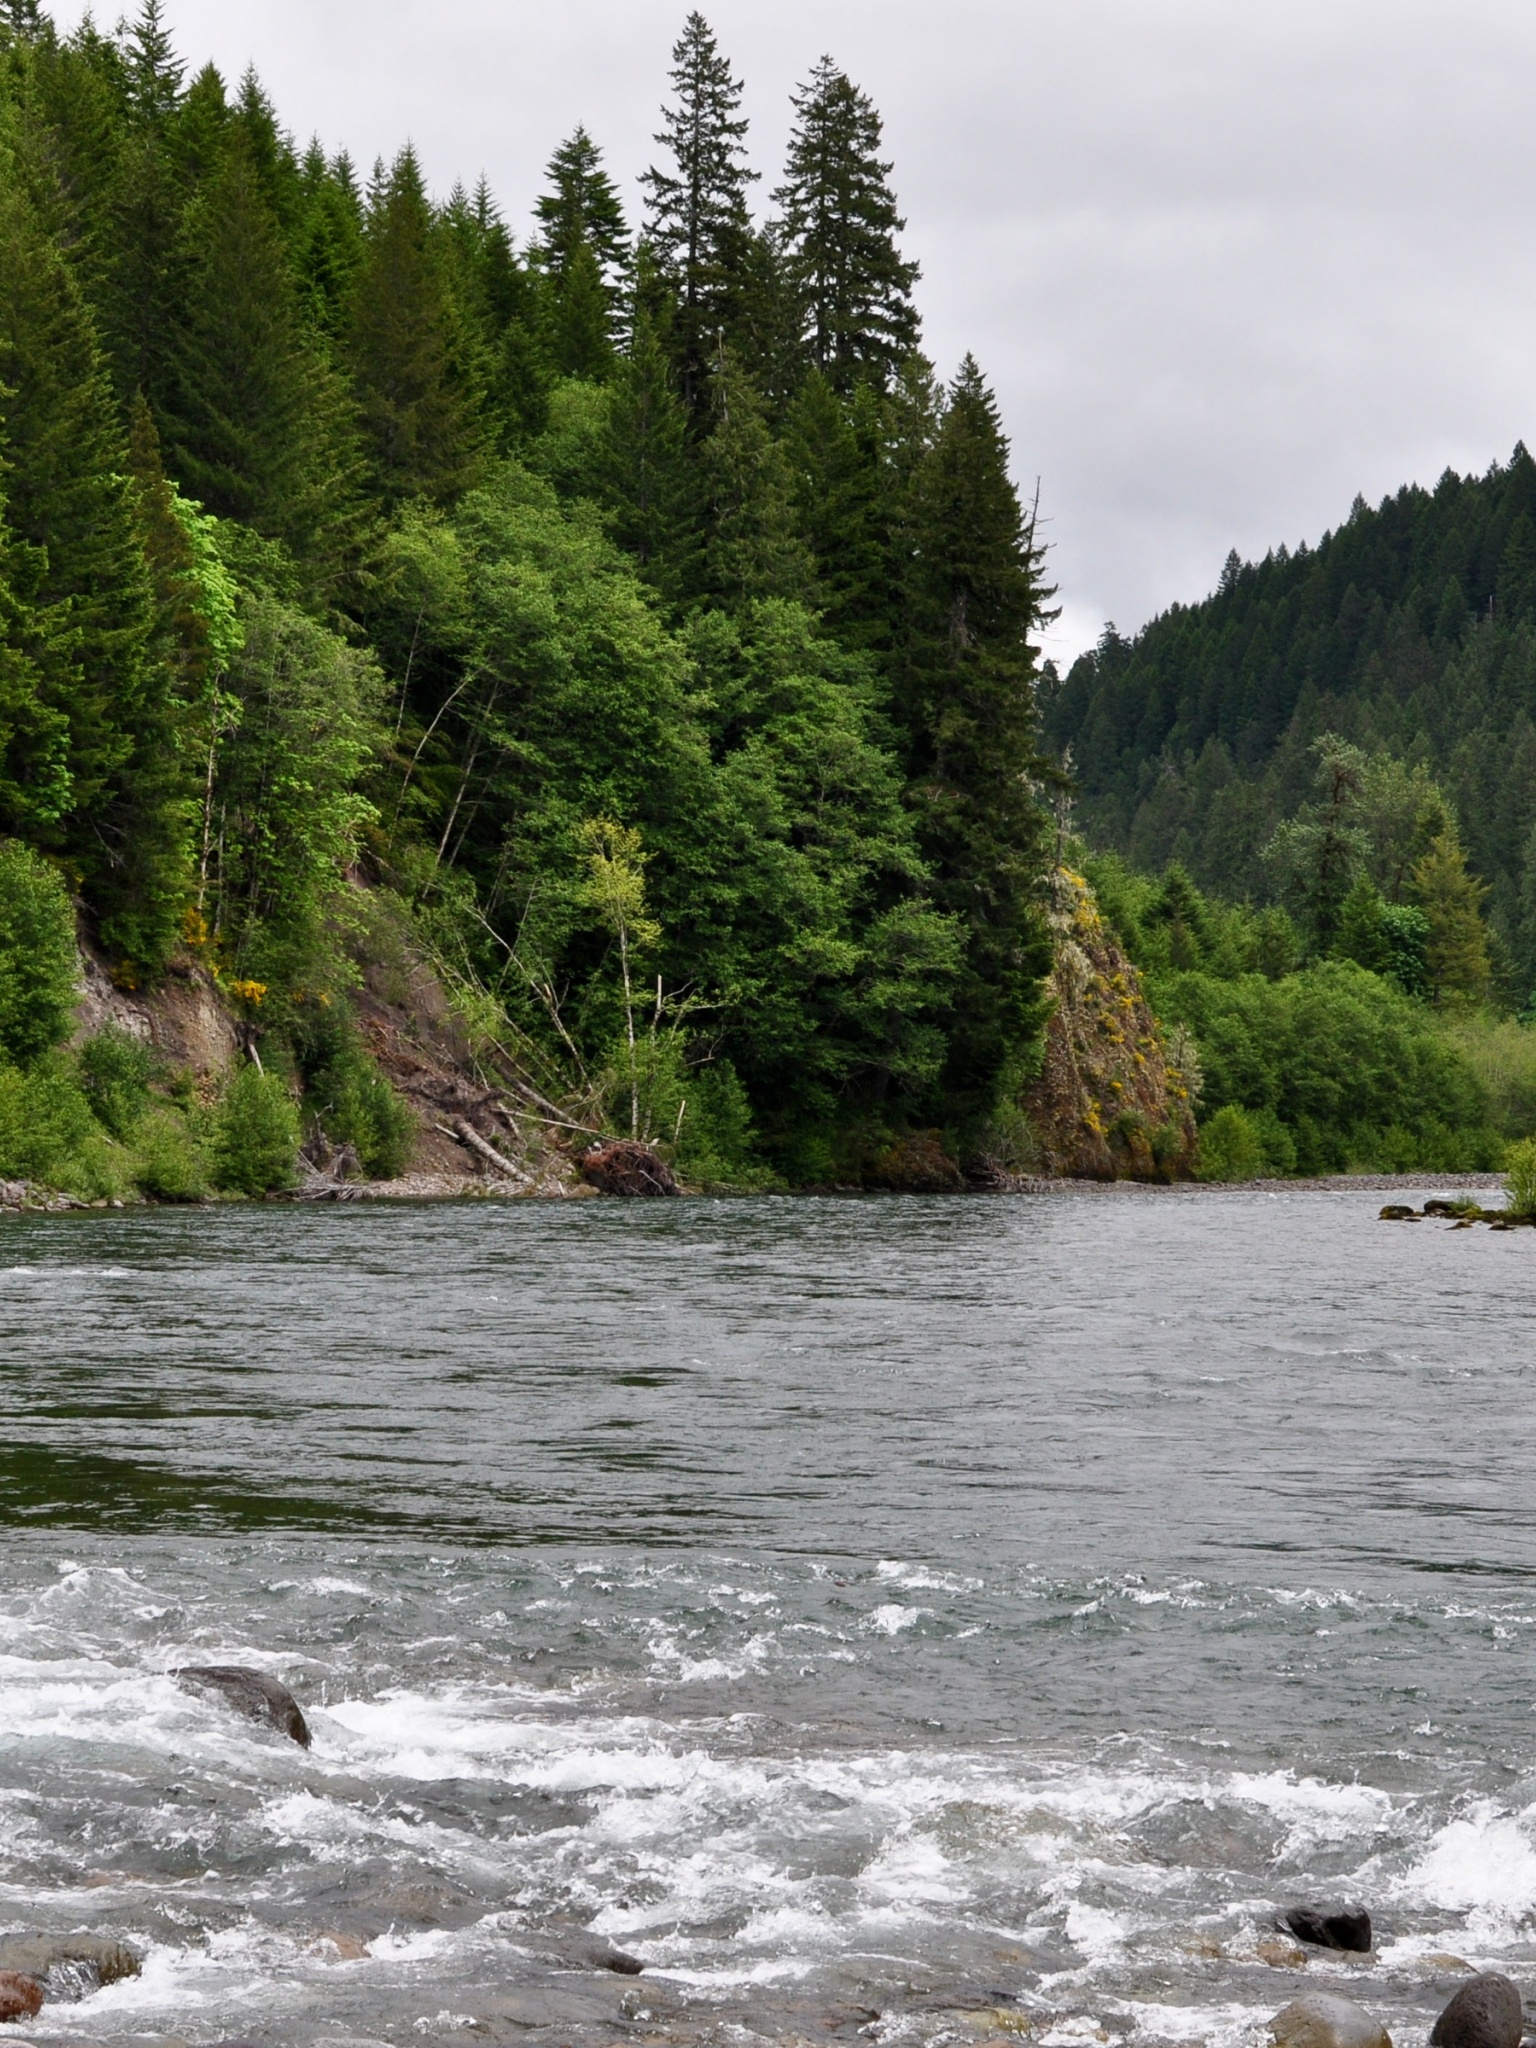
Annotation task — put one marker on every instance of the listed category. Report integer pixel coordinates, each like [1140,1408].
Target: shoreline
[433,1187]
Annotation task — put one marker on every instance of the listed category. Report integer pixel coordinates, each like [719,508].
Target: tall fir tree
[698,225]
[842,499]
[410,355]
[966,697]
[838,224]
[254,424]
[753,548]
[328,242]
[644,463]
[581,207]
[72,507]
[143,291]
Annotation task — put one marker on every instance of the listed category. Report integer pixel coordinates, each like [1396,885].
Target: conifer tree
[754,549]
[644,461]
[408,348]
[967,700]
[502,304]
[842,498]
[72,507]
[582,207]
[254,425]
[698,226]
[153,73]
[329,241]
[35,784]
[838,225]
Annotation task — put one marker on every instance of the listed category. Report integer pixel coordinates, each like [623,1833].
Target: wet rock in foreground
[1319,2019]
[1485,2013]
[1342,1928]
[251,1693]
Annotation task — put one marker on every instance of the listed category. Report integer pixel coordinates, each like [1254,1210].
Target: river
[892,1620]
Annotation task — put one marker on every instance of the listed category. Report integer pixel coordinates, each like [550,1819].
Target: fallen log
[466,1134]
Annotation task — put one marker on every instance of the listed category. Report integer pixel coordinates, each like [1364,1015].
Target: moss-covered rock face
[1111,1102]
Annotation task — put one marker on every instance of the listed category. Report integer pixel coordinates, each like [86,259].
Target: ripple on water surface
[952,1618]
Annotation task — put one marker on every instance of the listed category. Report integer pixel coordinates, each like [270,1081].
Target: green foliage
[256,1134]
[44,1123]
[352,1101]
[1230,1147]
[716,1145]
[1520,1178]
[167,1159]
[115,1070]
[39,967]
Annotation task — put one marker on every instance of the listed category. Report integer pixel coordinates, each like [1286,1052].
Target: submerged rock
[253,1693]
[626,1168]
[1342,1927]
[1322,2020]
[601,1955]
[70,1965]
[1485,2013]
[21,1997]
[1400,1212]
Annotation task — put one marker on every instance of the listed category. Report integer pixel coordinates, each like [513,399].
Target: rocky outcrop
[1485,2013]
[251,1693]
[1115,1100]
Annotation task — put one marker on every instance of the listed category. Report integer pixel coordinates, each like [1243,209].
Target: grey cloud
[1227,264]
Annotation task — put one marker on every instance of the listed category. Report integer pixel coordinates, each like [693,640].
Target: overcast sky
[1226,263]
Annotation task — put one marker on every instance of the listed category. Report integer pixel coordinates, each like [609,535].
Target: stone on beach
[1485,2013]
[1340,1927]
[252,1693]
[1322,2020]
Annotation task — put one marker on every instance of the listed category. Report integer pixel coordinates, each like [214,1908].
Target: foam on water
[889,1646]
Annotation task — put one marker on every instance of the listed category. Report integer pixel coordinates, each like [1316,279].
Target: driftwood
[466,1134]
[627,1168]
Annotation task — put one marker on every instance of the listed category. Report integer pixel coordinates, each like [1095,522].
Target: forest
[627,617]
[629,609]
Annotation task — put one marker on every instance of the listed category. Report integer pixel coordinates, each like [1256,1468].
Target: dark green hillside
[1411,630]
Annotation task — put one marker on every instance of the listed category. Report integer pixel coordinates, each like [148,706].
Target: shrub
[114,1070]
[1338,1057]
[1230,1147]
[355,1103]
[715,1142]
[166,1160]
[1520,1178]
[39,966]
[45,1120]
[256,1134]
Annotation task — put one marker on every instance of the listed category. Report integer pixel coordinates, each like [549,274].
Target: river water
[951,1620]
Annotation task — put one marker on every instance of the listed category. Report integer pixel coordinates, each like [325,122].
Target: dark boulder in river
[1485,2013]
[1321,2020]
[627,1169]
[253,1693]
[1340,1927]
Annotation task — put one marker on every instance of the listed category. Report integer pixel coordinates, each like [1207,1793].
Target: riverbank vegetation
[631,601]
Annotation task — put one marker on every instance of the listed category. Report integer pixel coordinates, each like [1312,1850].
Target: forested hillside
[1410,632]
[623,597]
